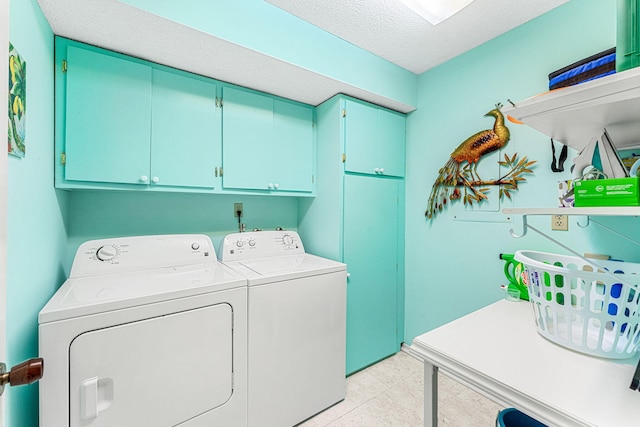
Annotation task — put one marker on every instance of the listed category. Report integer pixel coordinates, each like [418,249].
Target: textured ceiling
[384,27]
[392,31]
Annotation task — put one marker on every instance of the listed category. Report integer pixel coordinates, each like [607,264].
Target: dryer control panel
[260,244]
[126,254]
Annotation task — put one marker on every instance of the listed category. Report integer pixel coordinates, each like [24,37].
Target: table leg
[430,395]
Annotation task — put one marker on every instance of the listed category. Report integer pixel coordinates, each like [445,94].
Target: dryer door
[154,372]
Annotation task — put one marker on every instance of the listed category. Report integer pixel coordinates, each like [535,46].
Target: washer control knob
[252,242]
[195,246]
[106,253]
[239,243]
[287,240]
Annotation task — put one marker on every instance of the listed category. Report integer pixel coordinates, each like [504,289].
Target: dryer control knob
[106,253]
[287,240]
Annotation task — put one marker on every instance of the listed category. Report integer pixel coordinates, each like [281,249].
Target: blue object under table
[511,417]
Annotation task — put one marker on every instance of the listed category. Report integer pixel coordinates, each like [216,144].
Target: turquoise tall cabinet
[358,217]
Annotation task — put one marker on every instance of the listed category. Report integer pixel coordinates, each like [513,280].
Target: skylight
[436,11]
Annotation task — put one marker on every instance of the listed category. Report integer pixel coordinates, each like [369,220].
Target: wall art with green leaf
[17,102]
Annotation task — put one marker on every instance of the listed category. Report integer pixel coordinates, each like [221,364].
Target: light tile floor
[390,394]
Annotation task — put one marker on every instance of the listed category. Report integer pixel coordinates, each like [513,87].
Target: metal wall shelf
[595,211]
[576,114]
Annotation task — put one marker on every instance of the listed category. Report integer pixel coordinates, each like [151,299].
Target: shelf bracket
[591,262]
[525,225]
[609,229]
[586,224]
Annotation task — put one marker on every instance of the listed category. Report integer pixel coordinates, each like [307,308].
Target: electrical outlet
[560,222]
[238,210]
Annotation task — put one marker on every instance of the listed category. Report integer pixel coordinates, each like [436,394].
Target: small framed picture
[17,102]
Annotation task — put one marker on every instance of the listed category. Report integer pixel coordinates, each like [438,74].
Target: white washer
[297,326]
[147,331]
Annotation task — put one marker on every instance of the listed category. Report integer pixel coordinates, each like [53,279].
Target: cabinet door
[371,254]
[185,131]
[361,128]
[247,132]
[374,140]
[108,103]
[293,147]
[391,134]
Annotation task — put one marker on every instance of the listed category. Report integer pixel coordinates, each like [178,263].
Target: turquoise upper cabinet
[268,143]
[108,105]
[125,123]
[294,138]
[185,126]
[374,139]
[132,124]
[247,134]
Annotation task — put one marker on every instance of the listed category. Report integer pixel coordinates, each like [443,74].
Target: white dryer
[147,331]
[297,326]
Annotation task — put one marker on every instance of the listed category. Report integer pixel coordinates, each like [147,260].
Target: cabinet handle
[270,186]
[276,185]
[381,170]
[376,170]
[155,179]
[144,178]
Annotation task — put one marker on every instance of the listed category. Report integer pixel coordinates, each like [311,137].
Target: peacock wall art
[458,179]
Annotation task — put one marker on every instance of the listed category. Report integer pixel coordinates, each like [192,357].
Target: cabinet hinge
[216,172]
[221,171]
[64,65]
[63,159]
[219,102]
[313,178]
[344,112]
[344,157]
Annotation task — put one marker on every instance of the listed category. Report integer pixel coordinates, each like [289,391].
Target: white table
[498,352]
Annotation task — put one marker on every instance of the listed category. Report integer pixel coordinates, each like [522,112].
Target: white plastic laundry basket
[584,307]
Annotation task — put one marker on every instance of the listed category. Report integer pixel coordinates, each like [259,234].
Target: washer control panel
[260,244]
[125,254]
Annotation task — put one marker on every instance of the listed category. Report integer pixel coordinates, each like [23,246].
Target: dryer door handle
[96,395]
[89,398]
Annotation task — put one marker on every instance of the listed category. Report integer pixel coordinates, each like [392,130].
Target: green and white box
[607,192]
